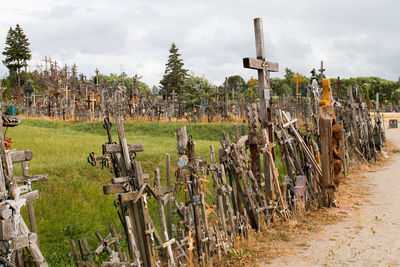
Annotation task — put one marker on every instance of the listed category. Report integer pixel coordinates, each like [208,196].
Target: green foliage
[174,75]
[396,96]
[198,90]
[16,51]
[114,80]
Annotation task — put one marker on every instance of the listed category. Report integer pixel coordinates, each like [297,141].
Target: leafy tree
[247,90]
[198,90]
[114,79]
[396,96]
[16,51]
[174,75]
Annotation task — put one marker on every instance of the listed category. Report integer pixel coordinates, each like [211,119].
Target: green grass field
[72,203]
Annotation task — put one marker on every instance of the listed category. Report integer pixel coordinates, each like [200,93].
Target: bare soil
[369,232]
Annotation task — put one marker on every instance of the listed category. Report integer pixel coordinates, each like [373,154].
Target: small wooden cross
[321,70]
[252,82]
[66,90]
[338,84]
[297,80]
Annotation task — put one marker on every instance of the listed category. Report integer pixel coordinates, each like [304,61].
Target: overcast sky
[353,37]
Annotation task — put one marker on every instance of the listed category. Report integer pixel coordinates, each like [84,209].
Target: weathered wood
[116,243]
[164,230]
[168,205]
[182,138]
[33,178]
[137,211]
[33,247]
[257,64]
[114,189]
[133,249]
[116,148]
[29,204]
[265,96]
[326,160]
[19,156]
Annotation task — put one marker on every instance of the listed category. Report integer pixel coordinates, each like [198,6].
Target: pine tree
[174,75]
[17,51]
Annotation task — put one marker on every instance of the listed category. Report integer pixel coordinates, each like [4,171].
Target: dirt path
[371,238]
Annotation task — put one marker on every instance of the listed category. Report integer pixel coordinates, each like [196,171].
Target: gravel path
[370,239]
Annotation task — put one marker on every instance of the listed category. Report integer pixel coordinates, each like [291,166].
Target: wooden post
[168,208]
[29,204]
[167,243]
[326,158]
[136,210]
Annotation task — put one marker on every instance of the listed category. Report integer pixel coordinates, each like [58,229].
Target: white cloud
[354,38]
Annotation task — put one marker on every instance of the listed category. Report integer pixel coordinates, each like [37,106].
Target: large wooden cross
[263,68]
[297,80]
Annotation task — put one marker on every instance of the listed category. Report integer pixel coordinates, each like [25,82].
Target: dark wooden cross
[263,68]
[97,76]
[321,70]
[136,79]
[338,84]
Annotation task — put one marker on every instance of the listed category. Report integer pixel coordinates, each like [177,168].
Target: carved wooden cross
[338,84]
[66,90]
[263,68]
[297,80]
[252,82]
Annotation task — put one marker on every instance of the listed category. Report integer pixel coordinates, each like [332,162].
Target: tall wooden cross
[45,62]
[136,79]
[263,68]
[338,84]
[97,76]
[297,80]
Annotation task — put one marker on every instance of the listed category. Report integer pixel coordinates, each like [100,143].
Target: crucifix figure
[297,80]
[263,68]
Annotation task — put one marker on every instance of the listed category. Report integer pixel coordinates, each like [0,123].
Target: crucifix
[338,84]
[263,68]
[297,80]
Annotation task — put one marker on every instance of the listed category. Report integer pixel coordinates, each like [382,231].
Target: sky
[353,38]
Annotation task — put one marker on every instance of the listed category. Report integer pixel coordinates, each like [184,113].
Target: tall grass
[71,202]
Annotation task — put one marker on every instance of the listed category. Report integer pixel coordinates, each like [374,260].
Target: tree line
[191,89]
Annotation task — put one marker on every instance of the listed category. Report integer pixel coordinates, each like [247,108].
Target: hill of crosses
[283,156]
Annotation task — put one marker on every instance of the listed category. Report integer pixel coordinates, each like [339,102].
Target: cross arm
[258,64]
